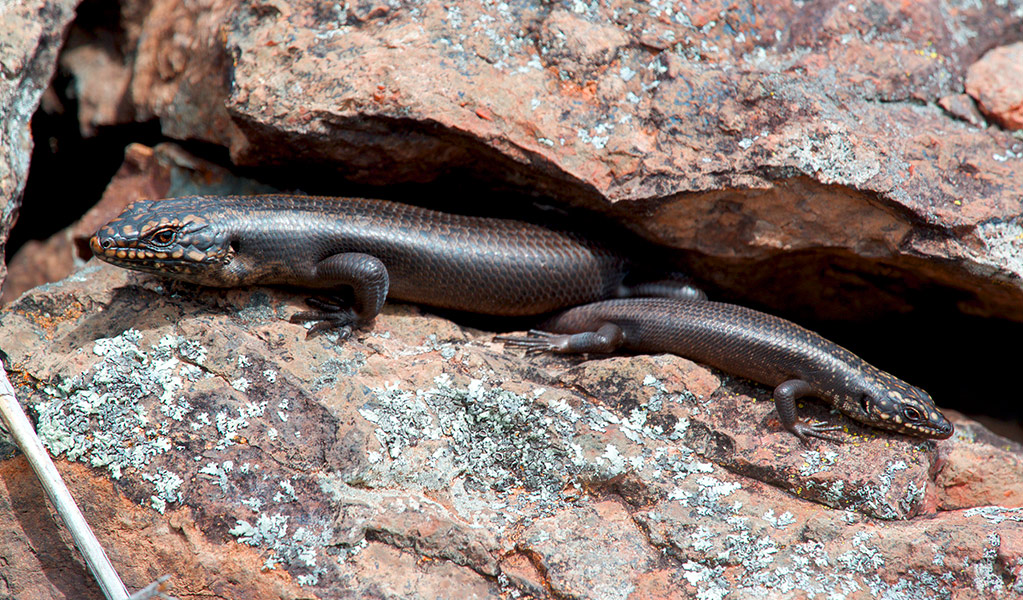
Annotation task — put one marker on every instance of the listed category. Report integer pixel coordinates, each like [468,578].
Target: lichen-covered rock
[797,148]
[209,438]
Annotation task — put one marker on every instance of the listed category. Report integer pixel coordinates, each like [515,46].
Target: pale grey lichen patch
[125,413]
[167,485]
[996,514]
[217,473]
[862,558]
[287,493]
[98,417]
[433,344]
[662,395]
[1003,245]
[871,499]
[754,554]
[807,568]
[833,157]
[270,532]
[334,370]
[918,586]
[781,521]
[770,570]
[228,427]
[710,581]
[1017,583]
[495,439]
[611,463]
[714,490]
[986,571]
[403,419]
[598,136]
[817,462]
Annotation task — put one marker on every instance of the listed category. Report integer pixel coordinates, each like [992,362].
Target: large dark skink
[375,247]
[738,340]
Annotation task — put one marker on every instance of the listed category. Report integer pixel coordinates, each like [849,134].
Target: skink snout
[101,243]
[943,428]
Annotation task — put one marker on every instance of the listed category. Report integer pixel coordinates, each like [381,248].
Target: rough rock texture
[162,58]
[796,135]
[30,38]
[996,81]
[820,155]
[211,439]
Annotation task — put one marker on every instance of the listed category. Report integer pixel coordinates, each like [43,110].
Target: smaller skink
[767,349]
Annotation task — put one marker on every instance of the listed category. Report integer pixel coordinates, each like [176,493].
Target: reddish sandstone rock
[219,444]
[797,149]
[30,38]
[804,137]
[996,82]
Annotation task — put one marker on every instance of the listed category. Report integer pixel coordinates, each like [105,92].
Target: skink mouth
[107,249]
[943,431]
[936,431]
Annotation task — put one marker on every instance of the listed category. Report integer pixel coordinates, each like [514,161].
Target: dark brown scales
[745,342]
[375,248]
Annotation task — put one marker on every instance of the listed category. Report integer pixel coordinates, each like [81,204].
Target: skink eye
[163,237]
[912,414]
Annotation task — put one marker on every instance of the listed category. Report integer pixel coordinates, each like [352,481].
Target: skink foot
[805,431]
[331,316]
[537,342]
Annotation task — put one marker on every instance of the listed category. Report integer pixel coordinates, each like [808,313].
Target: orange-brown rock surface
[996,81]
[745,134]
[219,444]
[824,158]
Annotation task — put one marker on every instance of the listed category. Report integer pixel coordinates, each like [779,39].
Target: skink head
[167,237]
[887,402]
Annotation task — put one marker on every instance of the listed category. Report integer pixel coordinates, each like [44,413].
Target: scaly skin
[738,340]
[374,247]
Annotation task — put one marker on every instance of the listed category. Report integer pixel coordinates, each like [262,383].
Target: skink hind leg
[367,277]
[605,340]
[785,396]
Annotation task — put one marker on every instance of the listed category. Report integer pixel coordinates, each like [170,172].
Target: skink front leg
[365,274]
[785,396]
